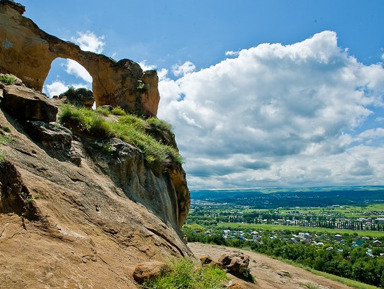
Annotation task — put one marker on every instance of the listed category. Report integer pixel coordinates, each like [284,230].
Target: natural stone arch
[27,52]
[55,84]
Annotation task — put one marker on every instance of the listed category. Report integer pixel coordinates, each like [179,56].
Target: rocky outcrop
[80,209]
[101,211]
[15,196]
[26,104]
[27,52]
[236,264]
[147,271]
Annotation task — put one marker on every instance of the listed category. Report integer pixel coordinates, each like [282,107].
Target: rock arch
[27,52]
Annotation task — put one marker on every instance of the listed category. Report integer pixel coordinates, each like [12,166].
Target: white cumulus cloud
[74,68]
[183,69]
[89,41]
[276,115]
[58,87]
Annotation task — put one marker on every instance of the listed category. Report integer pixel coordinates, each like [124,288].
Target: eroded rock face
[92,222]
[25,104]
[27,52]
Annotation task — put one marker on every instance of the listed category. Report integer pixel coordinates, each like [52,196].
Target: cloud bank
[276,115]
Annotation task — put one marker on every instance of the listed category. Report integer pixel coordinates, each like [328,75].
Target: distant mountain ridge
[291,197]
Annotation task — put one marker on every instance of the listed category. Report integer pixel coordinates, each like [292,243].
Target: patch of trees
[341,260]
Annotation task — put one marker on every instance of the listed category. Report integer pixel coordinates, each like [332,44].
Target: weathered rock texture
[73,215]
[147,271]
[25,104]
[27,52]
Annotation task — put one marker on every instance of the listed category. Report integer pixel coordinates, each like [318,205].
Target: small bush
[6,129]
[79,97]
[184,274]
[7,79]
[118,111]
[143,87]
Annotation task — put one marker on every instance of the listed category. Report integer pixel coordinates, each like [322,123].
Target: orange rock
[27,52]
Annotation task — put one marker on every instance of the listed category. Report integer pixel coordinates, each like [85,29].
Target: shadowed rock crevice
[15,196]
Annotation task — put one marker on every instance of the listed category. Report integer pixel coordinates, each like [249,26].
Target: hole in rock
[65,73]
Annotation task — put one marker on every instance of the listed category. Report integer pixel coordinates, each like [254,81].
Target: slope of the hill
[269,273]
[72,214]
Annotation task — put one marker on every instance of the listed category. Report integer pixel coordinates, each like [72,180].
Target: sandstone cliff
[73,215]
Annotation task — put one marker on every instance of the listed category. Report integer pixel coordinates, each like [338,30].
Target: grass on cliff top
[128,128]
[184,274]
[7,79]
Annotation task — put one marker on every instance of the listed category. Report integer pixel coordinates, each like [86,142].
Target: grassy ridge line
[242,226]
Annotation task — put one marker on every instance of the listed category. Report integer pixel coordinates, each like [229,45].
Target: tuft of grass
[311,286]
[184,274]
[159,124]
[142,87]
[2,155]
[86,119]
[6,129]
[118,111]
[3,140]
[129,128]
[103,110]
[8,79]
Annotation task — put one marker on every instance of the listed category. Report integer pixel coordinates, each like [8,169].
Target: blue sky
[260,93]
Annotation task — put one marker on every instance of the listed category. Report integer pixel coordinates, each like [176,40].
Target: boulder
[25,104]
[236,264]
[207,260]
[147,271]
[50,136]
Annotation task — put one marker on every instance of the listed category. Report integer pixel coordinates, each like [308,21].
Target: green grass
[8,79]
[103,110]
[129,128]
[6,129]
[184,274]
[118,111]
[2,155]
[159,124]
[242,226]
[3,140]
[347,211]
